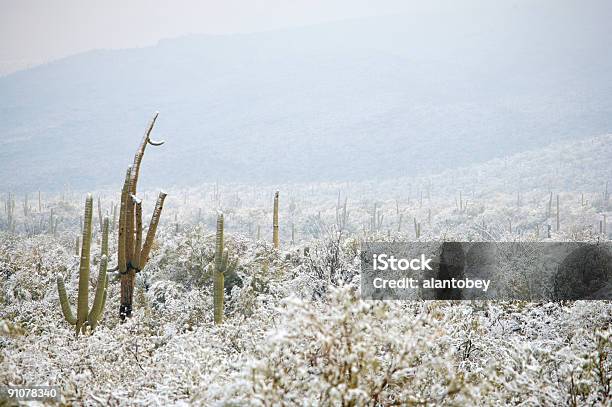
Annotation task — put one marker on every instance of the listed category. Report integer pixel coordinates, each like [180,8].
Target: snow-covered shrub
[350,352]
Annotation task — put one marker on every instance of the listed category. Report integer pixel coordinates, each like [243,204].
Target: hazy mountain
[375,98]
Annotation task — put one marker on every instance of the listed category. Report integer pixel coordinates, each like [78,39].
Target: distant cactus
[114,216]
[221,266]
[133,254]
[55,225]
[9,207]
[341,215]
[376,221]
[548,231]
[558,218]
[100,218]
[26,206]
[51,221]
[549,210]
[275,239]
[85,316]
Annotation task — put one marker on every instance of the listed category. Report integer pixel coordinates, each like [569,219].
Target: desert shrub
[351,353]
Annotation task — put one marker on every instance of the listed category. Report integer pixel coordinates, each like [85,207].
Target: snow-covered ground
[296,332]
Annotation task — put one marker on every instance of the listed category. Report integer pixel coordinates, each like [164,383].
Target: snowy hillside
[418,92]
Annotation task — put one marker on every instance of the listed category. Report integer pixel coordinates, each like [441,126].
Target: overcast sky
[37,31]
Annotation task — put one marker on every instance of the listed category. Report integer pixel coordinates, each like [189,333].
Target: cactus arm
[129,228]
[146,248]
[96,308]
[104,246]
[121,258]
[100,218]
[141,150]
[101,313]
[82,303]
[104,298]
[99,317]
[138,241]
[66,310]
[275,239]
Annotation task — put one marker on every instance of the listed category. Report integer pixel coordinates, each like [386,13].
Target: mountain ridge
[378,97]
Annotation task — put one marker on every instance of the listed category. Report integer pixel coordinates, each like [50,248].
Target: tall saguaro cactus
[275,239]
[221,266]
[85,316]
[132,253]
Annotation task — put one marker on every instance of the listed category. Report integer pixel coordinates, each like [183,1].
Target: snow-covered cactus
[221,266]
[292,233]
[10,213]
[85,316]
[132,253]
[51,221]
[26,206]
[341,214]
[275,239]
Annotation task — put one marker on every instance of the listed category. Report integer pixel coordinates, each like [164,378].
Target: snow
[296,331]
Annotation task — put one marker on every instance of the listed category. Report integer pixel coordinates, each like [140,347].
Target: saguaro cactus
[132,253]
[100,218]
[341,215]
[26,206]
[558,218]
[221,266]
[85,316]
[10,213]
[275,239]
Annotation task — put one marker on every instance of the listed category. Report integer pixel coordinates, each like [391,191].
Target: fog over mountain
[373,98]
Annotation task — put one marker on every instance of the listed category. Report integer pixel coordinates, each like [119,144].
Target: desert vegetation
[250,294]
